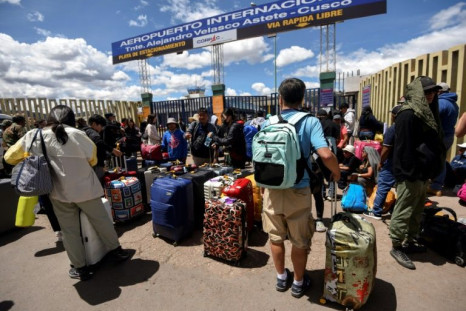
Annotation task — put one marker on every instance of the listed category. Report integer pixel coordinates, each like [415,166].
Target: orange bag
[389,200]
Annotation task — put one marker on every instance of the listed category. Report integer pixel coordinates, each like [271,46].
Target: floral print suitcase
[224,233]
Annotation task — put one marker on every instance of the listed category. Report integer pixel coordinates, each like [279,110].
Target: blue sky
[62,48]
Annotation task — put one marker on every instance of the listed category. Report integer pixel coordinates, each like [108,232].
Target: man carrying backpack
[287,211]
[197,132]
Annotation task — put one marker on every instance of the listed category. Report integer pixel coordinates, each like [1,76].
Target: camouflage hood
[416,101]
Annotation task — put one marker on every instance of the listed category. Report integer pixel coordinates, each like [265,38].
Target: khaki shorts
[287,212]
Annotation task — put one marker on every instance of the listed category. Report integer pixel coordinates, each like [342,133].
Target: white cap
[444,87]
[463,145]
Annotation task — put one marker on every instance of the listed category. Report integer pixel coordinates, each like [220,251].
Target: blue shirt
[311,137]
[175,144]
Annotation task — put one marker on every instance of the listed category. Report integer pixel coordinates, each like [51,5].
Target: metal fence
[180,109]
[248,105]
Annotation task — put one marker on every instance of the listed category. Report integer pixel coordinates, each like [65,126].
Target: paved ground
[33,274]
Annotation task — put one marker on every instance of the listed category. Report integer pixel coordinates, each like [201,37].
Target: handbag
[151,152]
[33,176]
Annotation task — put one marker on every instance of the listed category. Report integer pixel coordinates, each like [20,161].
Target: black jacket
[102,147]
[233,141]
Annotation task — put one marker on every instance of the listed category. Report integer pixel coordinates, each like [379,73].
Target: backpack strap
[297,116]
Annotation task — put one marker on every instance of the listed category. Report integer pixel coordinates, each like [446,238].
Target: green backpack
[275,153]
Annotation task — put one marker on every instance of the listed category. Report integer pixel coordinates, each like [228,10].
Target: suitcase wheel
[175,244]
[459,261]
[155,235]
[323,301]
[205,254]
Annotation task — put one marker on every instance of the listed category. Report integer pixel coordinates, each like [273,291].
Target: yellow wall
[387,85]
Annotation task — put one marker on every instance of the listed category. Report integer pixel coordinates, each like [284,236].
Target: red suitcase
[242,189]
[360,144]
[224,232]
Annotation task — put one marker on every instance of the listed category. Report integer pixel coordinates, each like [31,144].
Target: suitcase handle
[348,218]
[434,210]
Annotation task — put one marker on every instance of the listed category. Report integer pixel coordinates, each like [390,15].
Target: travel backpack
[276,153]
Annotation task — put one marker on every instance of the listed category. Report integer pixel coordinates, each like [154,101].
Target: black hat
[344,105]
[396,109]
[321,113]
[108,115]
[429,84]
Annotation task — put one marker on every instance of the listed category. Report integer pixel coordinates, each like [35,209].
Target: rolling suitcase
[150,175]
[199,177]
[172,208]
[125,197]
[242,189]
[224,233]
[351,260]
[93,246]
[213,187]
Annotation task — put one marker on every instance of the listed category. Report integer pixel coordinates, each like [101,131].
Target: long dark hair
[58,116]
[366,113]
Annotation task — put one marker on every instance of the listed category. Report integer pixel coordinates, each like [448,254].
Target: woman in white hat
[349,165]
[174,143]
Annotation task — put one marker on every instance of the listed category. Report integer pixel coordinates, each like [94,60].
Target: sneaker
[282,285]
[82,274]
[59,236]
[329,198]
[414,247]
[118,254]
[320,227]
[372,215]
[298,291]
[402,258]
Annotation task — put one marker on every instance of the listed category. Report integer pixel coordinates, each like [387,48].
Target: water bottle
[207,142]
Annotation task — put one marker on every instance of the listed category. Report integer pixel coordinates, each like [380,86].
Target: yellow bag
[257,197]
[378,137]
[389,200]
[25,216]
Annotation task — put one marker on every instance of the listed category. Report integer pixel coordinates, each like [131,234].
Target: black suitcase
[443,235]
[199,177]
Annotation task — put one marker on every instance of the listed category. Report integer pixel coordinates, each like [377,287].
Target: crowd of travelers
[422,130]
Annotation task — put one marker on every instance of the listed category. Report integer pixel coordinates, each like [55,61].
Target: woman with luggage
[132,138]
[367,171]
[76,187]
[153,137]
[368,124]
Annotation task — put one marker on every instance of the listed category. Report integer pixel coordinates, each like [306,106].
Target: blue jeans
[386,181]
[438,181]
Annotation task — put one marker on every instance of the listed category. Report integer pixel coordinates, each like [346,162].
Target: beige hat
[171,120]
[196,117]
[349,149]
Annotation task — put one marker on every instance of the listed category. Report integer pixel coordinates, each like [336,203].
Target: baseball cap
[444,87]
[108,115]
[463,145]
[321,113]
[428,84]
[337,117]
[396,109]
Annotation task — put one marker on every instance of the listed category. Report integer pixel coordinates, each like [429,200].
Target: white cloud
[252,50]
[142,5]
[140,22]
[17,2]
[35,17]
[449,16]
[261,89]
[230,92]
[60,68]
[307,71]
[294,54]
[187,60]
[42,32]
[187,11]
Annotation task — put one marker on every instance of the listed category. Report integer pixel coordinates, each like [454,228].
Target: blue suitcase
[172,208]
[131,164]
